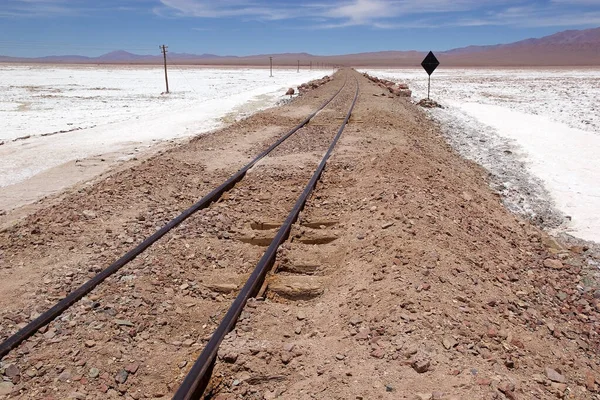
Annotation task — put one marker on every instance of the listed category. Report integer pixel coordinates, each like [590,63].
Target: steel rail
[197,379]
[31,328]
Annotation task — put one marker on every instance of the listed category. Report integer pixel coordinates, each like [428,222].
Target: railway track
[199,376]
[215,196]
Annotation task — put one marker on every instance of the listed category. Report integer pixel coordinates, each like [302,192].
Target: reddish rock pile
[399,90]
[306,87]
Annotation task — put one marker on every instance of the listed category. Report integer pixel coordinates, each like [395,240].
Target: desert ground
[407,277]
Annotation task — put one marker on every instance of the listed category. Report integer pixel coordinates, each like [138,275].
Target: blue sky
[243,27]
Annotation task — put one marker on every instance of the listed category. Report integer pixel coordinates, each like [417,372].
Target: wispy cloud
[394,14]
[336,14]
[68,8]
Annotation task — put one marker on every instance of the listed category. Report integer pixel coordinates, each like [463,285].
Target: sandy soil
[422,285]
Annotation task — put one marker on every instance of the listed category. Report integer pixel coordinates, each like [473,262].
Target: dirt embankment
[406,277]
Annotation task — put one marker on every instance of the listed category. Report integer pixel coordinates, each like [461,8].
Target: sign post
[429,64]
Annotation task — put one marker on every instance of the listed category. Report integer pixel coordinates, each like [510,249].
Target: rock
[188,342]
[121,376]
[554,264]
[449,342]
[551,243]
[389,388]
[77,396]
[132,368]
[230,357]
[428,103]
[90,343]
[421,365]
[378,353]
[560,388]
[89,214]
[12,371]
[437,396]
[590,381]
[65,376]
[6,388]
[355,320]
[286,357]
[554,376]
[422,396]
[340,357]
[290,92]
[94,373]
[123,322]
[507,388]
[301,316]
[224,288]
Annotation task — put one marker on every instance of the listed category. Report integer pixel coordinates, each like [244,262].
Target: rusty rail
[48,316]
[198,377]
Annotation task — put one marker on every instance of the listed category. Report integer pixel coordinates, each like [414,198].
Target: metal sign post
[429,64]
[271,62]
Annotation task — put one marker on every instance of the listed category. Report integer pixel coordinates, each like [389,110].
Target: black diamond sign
[430,63]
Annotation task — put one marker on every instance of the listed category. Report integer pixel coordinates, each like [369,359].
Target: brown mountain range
[567,48]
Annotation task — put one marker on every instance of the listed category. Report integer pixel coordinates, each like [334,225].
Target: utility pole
[298,66]
[163,49]
[271,62]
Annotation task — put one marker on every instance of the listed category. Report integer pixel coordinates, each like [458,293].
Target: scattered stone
[132,368]
[389,388]
[123,322]
[507,388]
[12,371]
[554,264]
[90,343]
[188,342]
[121,376]
[387,225]
[590,381]
[554,376]
[290,92]
[340,357]
[421,365]
[65,376]
[449,342]
[94,373]
[428,103]
[286,357]
[378,353]
[301,316]
[6,388]
[422,396]
[230,357]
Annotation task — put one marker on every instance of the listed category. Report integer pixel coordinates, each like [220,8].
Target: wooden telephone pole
[271,62]
[163,49]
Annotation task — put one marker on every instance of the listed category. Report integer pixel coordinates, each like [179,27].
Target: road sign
[429,64]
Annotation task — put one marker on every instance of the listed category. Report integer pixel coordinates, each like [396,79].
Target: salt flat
[53,115]
[545,121]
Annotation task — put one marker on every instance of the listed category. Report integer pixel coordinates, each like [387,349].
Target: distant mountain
[573,47]
[568,48]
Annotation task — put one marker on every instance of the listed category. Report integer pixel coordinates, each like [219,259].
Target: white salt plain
[551,117]
[119,109]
